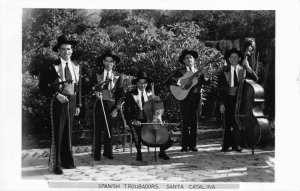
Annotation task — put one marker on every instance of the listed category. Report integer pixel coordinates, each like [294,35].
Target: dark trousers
[62,115]
[231,132]
[188,109]
[100,127]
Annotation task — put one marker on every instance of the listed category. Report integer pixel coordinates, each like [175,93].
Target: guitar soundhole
[186,87]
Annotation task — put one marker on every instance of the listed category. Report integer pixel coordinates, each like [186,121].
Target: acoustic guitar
[180,92]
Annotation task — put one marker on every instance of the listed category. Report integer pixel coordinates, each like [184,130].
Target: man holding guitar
[185,84]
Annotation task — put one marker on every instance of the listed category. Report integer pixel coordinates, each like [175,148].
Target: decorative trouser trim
[94,134]
[52,156]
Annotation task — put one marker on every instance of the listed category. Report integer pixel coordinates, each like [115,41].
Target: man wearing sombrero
[189,105]
[135,115]
[60,81]
[108,90]
[228,84]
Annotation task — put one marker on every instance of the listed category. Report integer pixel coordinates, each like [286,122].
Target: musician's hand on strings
[245,63]
[77,111]
[114,113]
[137,123]
[222,108]
[182,87]
[186,81]
[207,72]
[98,94]
[62,98]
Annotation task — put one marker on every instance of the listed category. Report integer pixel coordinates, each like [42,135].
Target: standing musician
[228,83]
[60,81]
[189,105]
[135,115]
[108,90]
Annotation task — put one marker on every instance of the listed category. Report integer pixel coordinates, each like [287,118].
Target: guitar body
[181,93]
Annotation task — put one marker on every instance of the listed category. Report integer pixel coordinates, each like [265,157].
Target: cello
[254,126]
[154,132]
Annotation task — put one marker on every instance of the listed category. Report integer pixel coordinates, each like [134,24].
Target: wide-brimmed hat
[109,53]
[233,50]
[141,75]
[64,39]
[186,52]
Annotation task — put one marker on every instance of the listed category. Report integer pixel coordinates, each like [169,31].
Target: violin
[99,86]
[59,85]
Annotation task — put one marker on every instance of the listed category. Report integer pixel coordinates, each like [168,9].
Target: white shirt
[61,71]
[139,97]
[144,95]
[193,69]
[232,70]
[106,73]
[111,84]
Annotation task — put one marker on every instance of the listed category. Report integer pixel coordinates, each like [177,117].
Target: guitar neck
[196,73]
[152,88]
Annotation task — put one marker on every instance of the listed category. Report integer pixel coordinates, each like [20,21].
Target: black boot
[58,170]
[163,155]
[224,150]
[194,149]
[183,149]
[237,149]
[139,156]
[72,166]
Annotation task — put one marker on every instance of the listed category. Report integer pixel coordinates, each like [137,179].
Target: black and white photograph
[149,96]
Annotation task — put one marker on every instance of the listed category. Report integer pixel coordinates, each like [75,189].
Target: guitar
[180,92]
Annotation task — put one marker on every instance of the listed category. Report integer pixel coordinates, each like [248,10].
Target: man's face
[65,51]
[234,59]
[189,60]
[109,63]
[142,84]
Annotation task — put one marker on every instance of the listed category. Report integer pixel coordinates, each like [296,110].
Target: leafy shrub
[141,46]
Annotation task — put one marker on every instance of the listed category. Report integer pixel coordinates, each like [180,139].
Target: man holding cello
[135,113]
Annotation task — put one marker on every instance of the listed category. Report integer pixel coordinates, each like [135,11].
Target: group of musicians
[61,81]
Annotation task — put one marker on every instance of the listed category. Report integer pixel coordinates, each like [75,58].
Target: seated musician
[189,105]
[135,115]
[228,82]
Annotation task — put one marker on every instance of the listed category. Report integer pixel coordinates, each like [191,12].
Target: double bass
[254,126]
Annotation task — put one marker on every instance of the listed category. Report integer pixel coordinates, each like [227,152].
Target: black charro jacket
[48,76]
[118,90]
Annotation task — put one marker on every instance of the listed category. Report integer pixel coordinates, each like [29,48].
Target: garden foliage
[150,44]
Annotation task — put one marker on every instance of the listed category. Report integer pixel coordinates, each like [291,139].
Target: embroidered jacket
[117,92]
[224,80]
[132,106]
[49,76]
